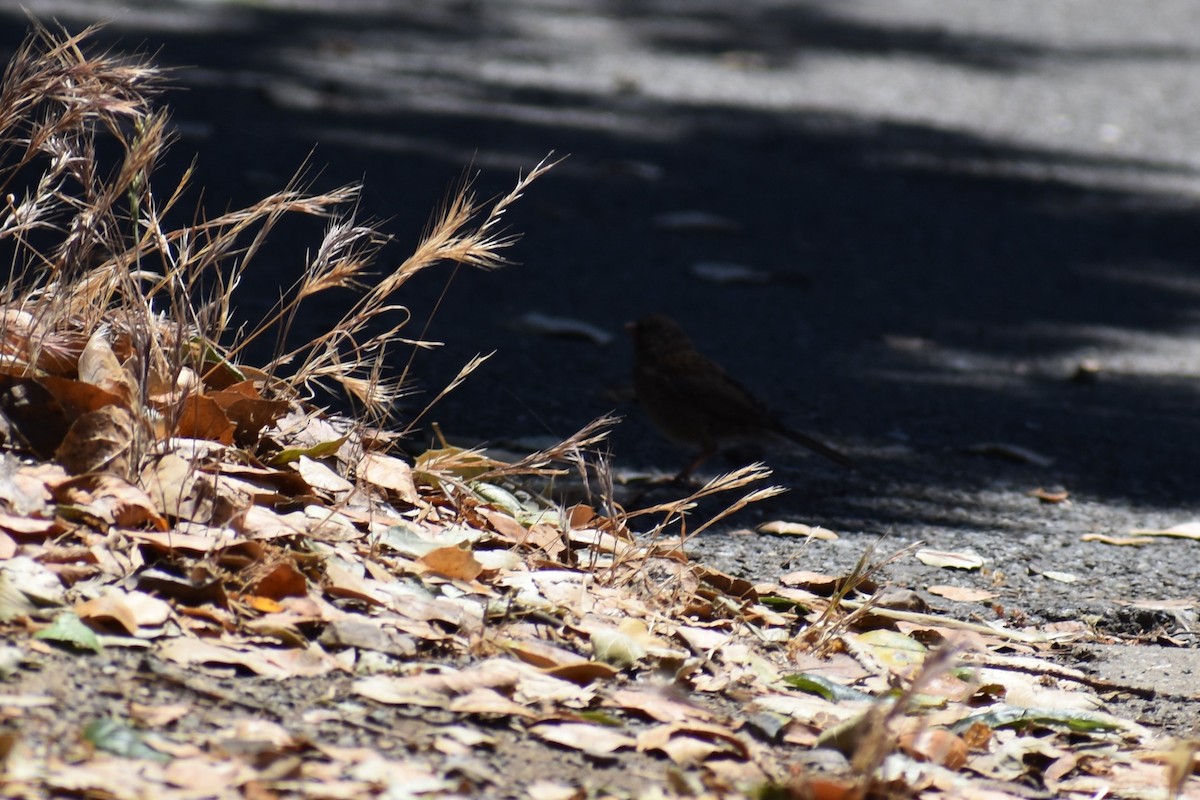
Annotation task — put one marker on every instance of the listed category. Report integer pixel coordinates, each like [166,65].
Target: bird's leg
[686,472]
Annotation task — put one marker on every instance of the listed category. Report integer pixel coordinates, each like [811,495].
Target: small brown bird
[693,402]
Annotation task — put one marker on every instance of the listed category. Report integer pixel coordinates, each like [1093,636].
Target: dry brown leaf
[1050,495]
[268,662]
[321,477]
[658,706]
[1119,541]
[245,406]
[201,417]
[109,608]
[783,528]
[660,737]
[584,673]
[99,366]
[817,582]
[198,543]
[488,702]
[390,473]
[452,562]
[542,655]
[1184,530]
[962,594]
[98,441]
[594,740]
[29,526]
[169,481]
[949,560]
[257,522]
[111,499]
[284,580]
[702,641]
[935,745]
[77,397]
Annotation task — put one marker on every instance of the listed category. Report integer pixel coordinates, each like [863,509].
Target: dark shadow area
[936,288]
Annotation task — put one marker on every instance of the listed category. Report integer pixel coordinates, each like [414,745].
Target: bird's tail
[820,448]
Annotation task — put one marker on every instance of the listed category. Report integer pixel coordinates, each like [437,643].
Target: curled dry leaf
[1052,496]
[949,560]
[1118,541]
[320,477]
[99,366]
[783,528]
[390,473]
[133,611]
[1184,530]
[98,441]
[111,499]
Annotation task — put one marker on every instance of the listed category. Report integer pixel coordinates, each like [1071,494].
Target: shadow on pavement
[934,289]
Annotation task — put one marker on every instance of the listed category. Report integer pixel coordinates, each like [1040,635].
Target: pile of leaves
[158,497]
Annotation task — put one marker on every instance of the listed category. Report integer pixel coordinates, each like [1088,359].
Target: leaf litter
[220,530]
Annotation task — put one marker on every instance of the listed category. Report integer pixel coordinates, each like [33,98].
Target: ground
[967,224]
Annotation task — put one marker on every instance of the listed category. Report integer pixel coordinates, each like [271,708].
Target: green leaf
[318,450]
[114,736]
[600,718]
[68,628]
[498,496]
[778,603]
[833,692]
[1015,717]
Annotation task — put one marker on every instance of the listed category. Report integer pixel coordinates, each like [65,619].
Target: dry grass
[93,255]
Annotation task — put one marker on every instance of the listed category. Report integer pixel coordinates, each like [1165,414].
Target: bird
[693,401]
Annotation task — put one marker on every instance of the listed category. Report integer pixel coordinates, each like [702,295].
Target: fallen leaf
[99,366]
[594,740]
[1050,495]
[962,594]
[657,705]
[201,417]
[949,560]
[452,562]
[782,528]
[67,628]
[935,745]
[388,472]
[1118,541]
[1184,530]
[97,441]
